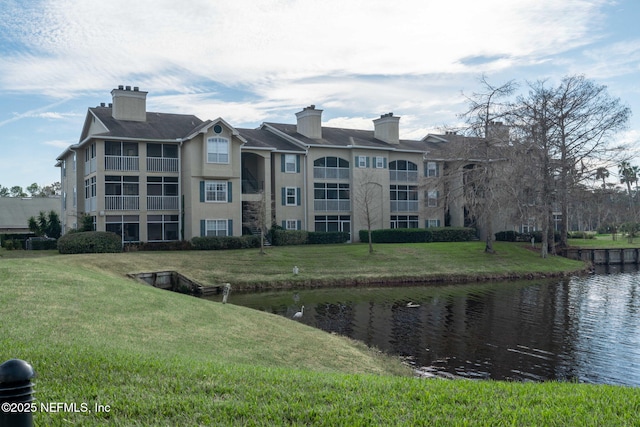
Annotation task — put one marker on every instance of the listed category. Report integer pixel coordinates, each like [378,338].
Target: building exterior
[16,211]
[161,177]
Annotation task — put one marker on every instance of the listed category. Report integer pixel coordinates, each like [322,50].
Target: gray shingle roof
[15,211]
[159,126]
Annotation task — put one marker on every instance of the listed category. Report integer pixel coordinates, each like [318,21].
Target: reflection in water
[583,329]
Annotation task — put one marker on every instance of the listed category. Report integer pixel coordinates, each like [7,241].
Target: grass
[163,359]
[336,264]
[606,241]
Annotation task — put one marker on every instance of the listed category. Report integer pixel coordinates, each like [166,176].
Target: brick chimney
[129,104]
[310,122]
[387,128]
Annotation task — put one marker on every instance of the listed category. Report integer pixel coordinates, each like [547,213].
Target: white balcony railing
[162,164]
[159,203]
[122,203]
[122,163]
[322,172]
[403,176]
[404,206]
[332,205]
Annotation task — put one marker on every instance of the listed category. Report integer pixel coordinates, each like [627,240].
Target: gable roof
[15,211]
[158,126]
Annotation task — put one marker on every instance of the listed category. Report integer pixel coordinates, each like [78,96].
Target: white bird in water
[411,304]
[299,313]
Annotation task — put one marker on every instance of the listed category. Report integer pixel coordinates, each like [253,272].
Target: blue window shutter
[282,163]
[202,191]
[298,192]
[297,163]
[230,227]
[203,228]
[284,224]
[384,163]
[357,162]
[284,196]
[229,192]
[368,160]
[298,225]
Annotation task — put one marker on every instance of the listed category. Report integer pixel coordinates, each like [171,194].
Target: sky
[254,61]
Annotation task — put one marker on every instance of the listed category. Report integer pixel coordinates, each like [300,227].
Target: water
[580,329]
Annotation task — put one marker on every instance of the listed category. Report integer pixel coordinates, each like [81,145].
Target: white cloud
[75,45]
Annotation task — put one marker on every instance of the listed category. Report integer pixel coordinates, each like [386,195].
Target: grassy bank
[322,265]
[159,358]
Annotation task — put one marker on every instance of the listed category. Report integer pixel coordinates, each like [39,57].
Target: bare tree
[254,217]
[485,122]
[368,199]
[586,118]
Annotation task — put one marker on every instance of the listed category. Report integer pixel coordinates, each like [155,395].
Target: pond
[584,329]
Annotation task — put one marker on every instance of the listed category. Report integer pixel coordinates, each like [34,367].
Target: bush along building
[158,177]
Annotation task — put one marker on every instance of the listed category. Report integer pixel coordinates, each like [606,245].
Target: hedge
[289,237]
[327,237]
[225,242]
[89,242]
[419,235]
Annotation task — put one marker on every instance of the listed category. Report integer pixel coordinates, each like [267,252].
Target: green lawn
[165,359]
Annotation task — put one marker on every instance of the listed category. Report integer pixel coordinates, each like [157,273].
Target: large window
[328,196]
[290,163]
[403,171]
[120,155]
[121,192]
[324,223]
[215,191]
[162,227]
[162,192]
[404,221]
[404,198]
[331,168]
[432,198]
[162,157]
[126,226]
[217,150]
[431,169]
[216,227]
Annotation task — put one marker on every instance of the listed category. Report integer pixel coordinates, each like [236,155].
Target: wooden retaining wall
[604,256]
[176,282]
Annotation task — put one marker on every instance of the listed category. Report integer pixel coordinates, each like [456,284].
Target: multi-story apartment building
[161,177]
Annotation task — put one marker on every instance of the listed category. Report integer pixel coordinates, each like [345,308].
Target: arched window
[403,171]
[331,168]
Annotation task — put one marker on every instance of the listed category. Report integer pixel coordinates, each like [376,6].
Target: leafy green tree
[46,224]
[34,190]
[17,191]
[4,191]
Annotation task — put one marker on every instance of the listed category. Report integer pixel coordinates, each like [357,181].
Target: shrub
[397,235]
[178,245]
[288,237]
[325,238]
[225,242]
[452,234]
[581,235]
[89,242]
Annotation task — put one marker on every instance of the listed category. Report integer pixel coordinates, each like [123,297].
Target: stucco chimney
[387,128]
[310,122]
[498,133]
[129,104]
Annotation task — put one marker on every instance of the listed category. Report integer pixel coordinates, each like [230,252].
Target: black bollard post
[16,393]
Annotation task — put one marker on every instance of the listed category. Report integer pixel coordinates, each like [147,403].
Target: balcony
[404,206]
[162,164]
[122,203]
[163,203]
[403,176]
[332,205]
[323,172]
[90,204]
[122,163]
